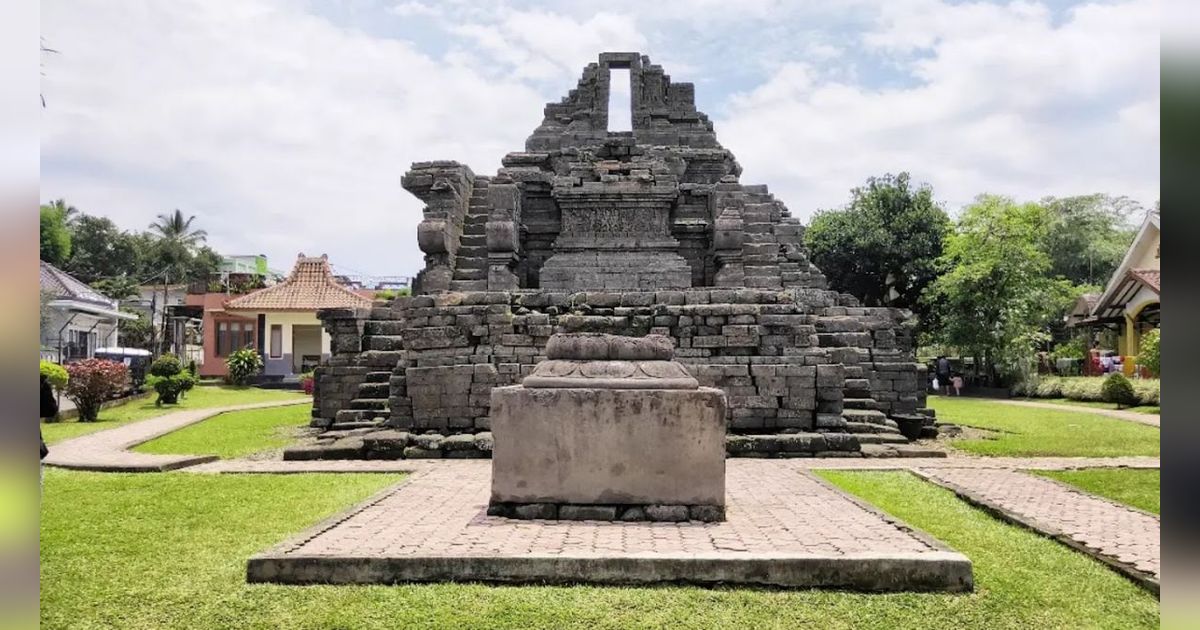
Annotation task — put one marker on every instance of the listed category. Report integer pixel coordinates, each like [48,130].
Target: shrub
[1117,389]
[243,365]
[308,382]
[93,381]
[170,388]
[55,373]
[192,368]
[1148,354]
[169,380]
[1147,391]
[1086,388]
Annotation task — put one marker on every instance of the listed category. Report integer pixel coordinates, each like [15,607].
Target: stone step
[864,415]
[473,240]
[374,390]
[378,377]
[377,404]
[472,251]
[386,359]
[350,416]
[468,285]
[868,427]
[383,342]
[470,273]
[867,404]
[881,438]
[346,429]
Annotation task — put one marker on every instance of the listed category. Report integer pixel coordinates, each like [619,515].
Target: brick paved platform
[107,450]
[785,528]
[276,466]
[1122,537]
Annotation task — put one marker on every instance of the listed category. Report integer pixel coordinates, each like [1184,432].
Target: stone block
[634,448]
[667,513]
[587,512]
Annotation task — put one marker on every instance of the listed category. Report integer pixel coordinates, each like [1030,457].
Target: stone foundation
[625,513]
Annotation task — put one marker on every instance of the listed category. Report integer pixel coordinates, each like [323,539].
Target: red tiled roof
[1149,277]
[309,287]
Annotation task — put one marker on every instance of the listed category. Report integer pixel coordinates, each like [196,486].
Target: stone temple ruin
[630,233]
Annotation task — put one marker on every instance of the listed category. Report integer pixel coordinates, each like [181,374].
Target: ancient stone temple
[633,233]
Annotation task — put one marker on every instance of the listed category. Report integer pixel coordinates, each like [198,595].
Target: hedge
[1087,388]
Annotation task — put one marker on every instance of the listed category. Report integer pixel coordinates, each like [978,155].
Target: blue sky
[285,125]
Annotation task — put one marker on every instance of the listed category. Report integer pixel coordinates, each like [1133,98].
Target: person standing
[49,410]
[943,372]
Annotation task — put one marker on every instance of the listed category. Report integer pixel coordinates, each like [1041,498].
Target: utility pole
[166,281]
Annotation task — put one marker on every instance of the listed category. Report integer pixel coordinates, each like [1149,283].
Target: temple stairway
[470,270]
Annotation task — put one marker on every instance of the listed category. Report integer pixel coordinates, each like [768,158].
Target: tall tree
[174,227]
[1087,235]
[102,251]
[882,247]
[55,237]
[996,301]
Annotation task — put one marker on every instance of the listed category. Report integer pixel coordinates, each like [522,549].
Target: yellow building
[289,335]
[1130,301]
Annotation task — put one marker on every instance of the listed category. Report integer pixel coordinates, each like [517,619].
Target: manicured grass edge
[1043,529]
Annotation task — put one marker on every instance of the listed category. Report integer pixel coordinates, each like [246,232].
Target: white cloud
[281,132]
[286,132]
[1002,100]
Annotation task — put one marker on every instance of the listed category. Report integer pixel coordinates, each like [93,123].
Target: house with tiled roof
[280,321]
[1130,303]
[76,319]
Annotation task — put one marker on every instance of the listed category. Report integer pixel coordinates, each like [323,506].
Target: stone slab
[608,446]
[784,528]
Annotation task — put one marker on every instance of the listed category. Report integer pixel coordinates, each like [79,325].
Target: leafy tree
[103,251]
[996,302]
[91,382]
[136,333]
[1087,235]
[174,227]
[55,237]
[882,247]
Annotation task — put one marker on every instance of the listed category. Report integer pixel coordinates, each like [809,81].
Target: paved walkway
[851,463]
[1130,416]
[784,528]
[107,450]
[1123,537]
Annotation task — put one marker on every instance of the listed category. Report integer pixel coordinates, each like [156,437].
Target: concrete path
[1130,416]
[107,450]
[1123,537]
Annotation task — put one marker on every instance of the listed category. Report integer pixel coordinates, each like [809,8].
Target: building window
[234,336]
[276,341]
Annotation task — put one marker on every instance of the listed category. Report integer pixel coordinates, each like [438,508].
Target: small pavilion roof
[310,287]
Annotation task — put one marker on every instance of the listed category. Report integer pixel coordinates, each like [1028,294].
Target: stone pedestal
[608,428]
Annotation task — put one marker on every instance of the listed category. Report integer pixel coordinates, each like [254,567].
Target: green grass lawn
[200,397]
[169,550]
[1095,404]
[1139,488]
[1029,431]
[233,434]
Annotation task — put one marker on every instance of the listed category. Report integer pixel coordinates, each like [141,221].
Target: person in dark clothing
[49,410]
[943,372]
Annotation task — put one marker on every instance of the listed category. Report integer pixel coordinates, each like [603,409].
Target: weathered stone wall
[784,358]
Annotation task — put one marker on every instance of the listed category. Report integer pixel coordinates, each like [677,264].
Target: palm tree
[70,213]
[173,227]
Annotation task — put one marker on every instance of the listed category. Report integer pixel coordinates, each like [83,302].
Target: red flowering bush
[93,381]
[307,382]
